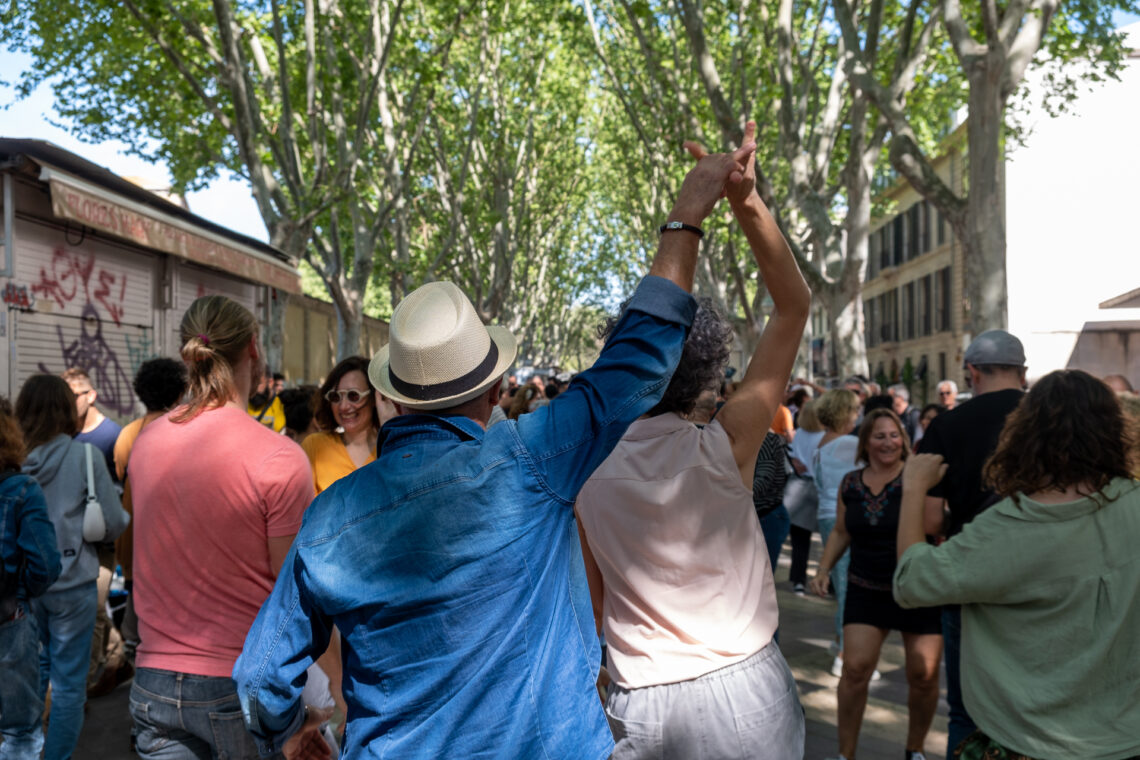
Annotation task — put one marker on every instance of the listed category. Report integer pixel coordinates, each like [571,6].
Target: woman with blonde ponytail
[217,499]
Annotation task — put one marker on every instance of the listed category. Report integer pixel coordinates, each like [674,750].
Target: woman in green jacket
[1048,579]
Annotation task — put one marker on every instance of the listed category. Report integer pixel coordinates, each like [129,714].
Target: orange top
[782,423]
[329,459]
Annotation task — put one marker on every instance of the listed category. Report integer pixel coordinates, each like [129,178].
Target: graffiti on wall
[91,353]
[140,350]
[18,296]
[74,277]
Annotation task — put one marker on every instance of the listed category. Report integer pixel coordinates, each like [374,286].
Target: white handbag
[94,526]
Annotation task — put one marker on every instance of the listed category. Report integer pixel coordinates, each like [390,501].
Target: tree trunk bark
[983,245]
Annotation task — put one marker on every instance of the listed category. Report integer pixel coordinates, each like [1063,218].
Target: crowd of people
[422,557]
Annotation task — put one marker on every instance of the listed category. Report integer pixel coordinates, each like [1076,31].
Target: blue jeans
[960,725]
[21,708]
[838,577]
[66,620]
[180,716]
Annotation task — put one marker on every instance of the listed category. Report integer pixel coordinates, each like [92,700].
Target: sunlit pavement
[805,636]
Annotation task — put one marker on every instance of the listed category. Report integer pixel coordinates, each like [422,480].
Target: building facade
[1072,246]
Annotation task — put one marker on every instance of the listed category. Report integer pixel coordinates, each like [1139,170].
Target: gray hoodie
[60,467]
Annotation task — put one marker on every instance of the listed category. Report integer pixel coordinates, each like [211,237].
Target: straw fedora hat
[439,353]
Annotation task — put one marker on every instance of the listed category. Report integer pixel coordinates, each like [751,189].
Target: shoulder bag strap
[268,404]
[90,473]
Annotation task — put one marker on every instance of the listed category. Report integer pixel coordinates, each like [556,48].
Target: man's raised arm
[704,185]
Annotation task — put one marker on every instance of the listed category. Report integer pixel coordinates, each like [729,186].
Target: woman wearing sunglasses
[345,409]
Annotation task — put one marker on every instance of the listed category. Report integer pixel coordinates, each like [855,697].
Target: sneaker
[799,589]
[912,755]
[837,671]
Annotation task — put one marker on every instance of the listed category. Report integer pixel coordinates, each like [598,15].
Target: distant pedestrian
[94,427]
[901,406]
[832,459]
[965,437]
[65,615]
[1047,578]
[948,394]
[867,523]
[218,499]
[801,496]
[31,564]
[159,384]
[346,413]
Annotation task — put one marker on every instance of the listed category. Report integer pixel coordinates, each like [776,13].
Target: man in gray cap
[965,436]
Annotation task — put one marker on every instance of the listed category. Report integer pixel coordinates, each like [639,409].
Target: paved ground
[805,635]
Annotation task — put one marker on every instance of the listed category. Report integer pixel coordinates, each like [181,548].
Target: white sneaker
[915,755]
[837,671]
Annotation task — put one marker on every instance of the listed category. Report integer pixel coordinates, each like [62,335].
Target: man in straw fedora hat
[451,565]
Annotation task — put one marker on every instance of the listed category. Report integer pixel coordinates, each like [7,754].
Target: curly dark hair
[703,358]
[1068,430]
[160,383]
[11,438]
[322,409]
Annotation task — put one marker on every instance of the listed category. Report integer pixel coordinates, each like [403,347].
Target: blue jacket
[452,568]
[27,538]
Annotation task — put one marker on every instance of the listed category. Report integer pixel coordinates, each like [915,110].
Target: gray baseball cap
[995,347]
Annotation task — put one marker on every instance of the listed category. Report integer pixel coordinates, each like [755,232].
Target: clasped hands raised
[715,176]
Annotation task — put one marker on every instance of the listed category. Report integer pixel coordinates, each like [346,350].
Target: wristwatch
[674,226]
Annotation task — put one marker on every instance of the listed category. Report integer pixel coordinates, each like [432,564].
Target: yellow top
[274,417]
[329,458]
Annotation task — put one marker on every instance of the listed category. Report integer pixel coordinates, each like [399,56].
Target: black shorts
[877,607]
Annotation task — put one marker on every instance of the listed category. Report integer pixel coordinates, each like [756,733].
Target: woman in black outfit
[867,519]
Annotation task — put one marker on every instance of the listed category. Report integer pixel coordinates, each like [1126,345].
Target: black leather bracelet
[680,226]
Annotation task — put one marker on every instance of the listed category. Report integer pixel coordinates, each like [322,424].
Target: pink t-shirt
[208,493]
[671,526]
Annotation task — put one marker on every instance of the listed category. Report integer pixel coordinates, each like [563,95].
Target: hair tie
[204,338]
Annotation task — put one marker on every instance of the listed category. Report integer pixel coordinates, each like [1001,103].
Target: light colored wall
[1072,202]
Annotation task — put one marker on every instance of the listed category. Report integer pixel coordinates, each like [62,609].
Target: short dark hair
[1067,430]
[322,409]
[703,359]
[45,409]
[11,438]
[160,383]
[298,404]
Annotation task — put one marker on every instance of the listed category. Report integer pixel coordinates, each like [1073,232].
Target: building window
[874,245]
[923,306]
[908,312]
[942,300]
[926,236]
[941,228]
[941,367]
[899,248]
[914,231]
[888,319]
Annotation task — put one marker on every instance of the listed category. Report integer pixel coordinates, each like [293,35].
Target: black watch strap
[680,226]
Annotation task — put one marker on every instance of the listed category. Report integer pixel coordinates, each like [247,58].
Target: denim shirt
[452,568]
[27,538]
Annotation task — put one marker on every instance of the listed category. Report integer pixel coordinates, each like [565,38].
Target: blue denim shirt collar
[408,429]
